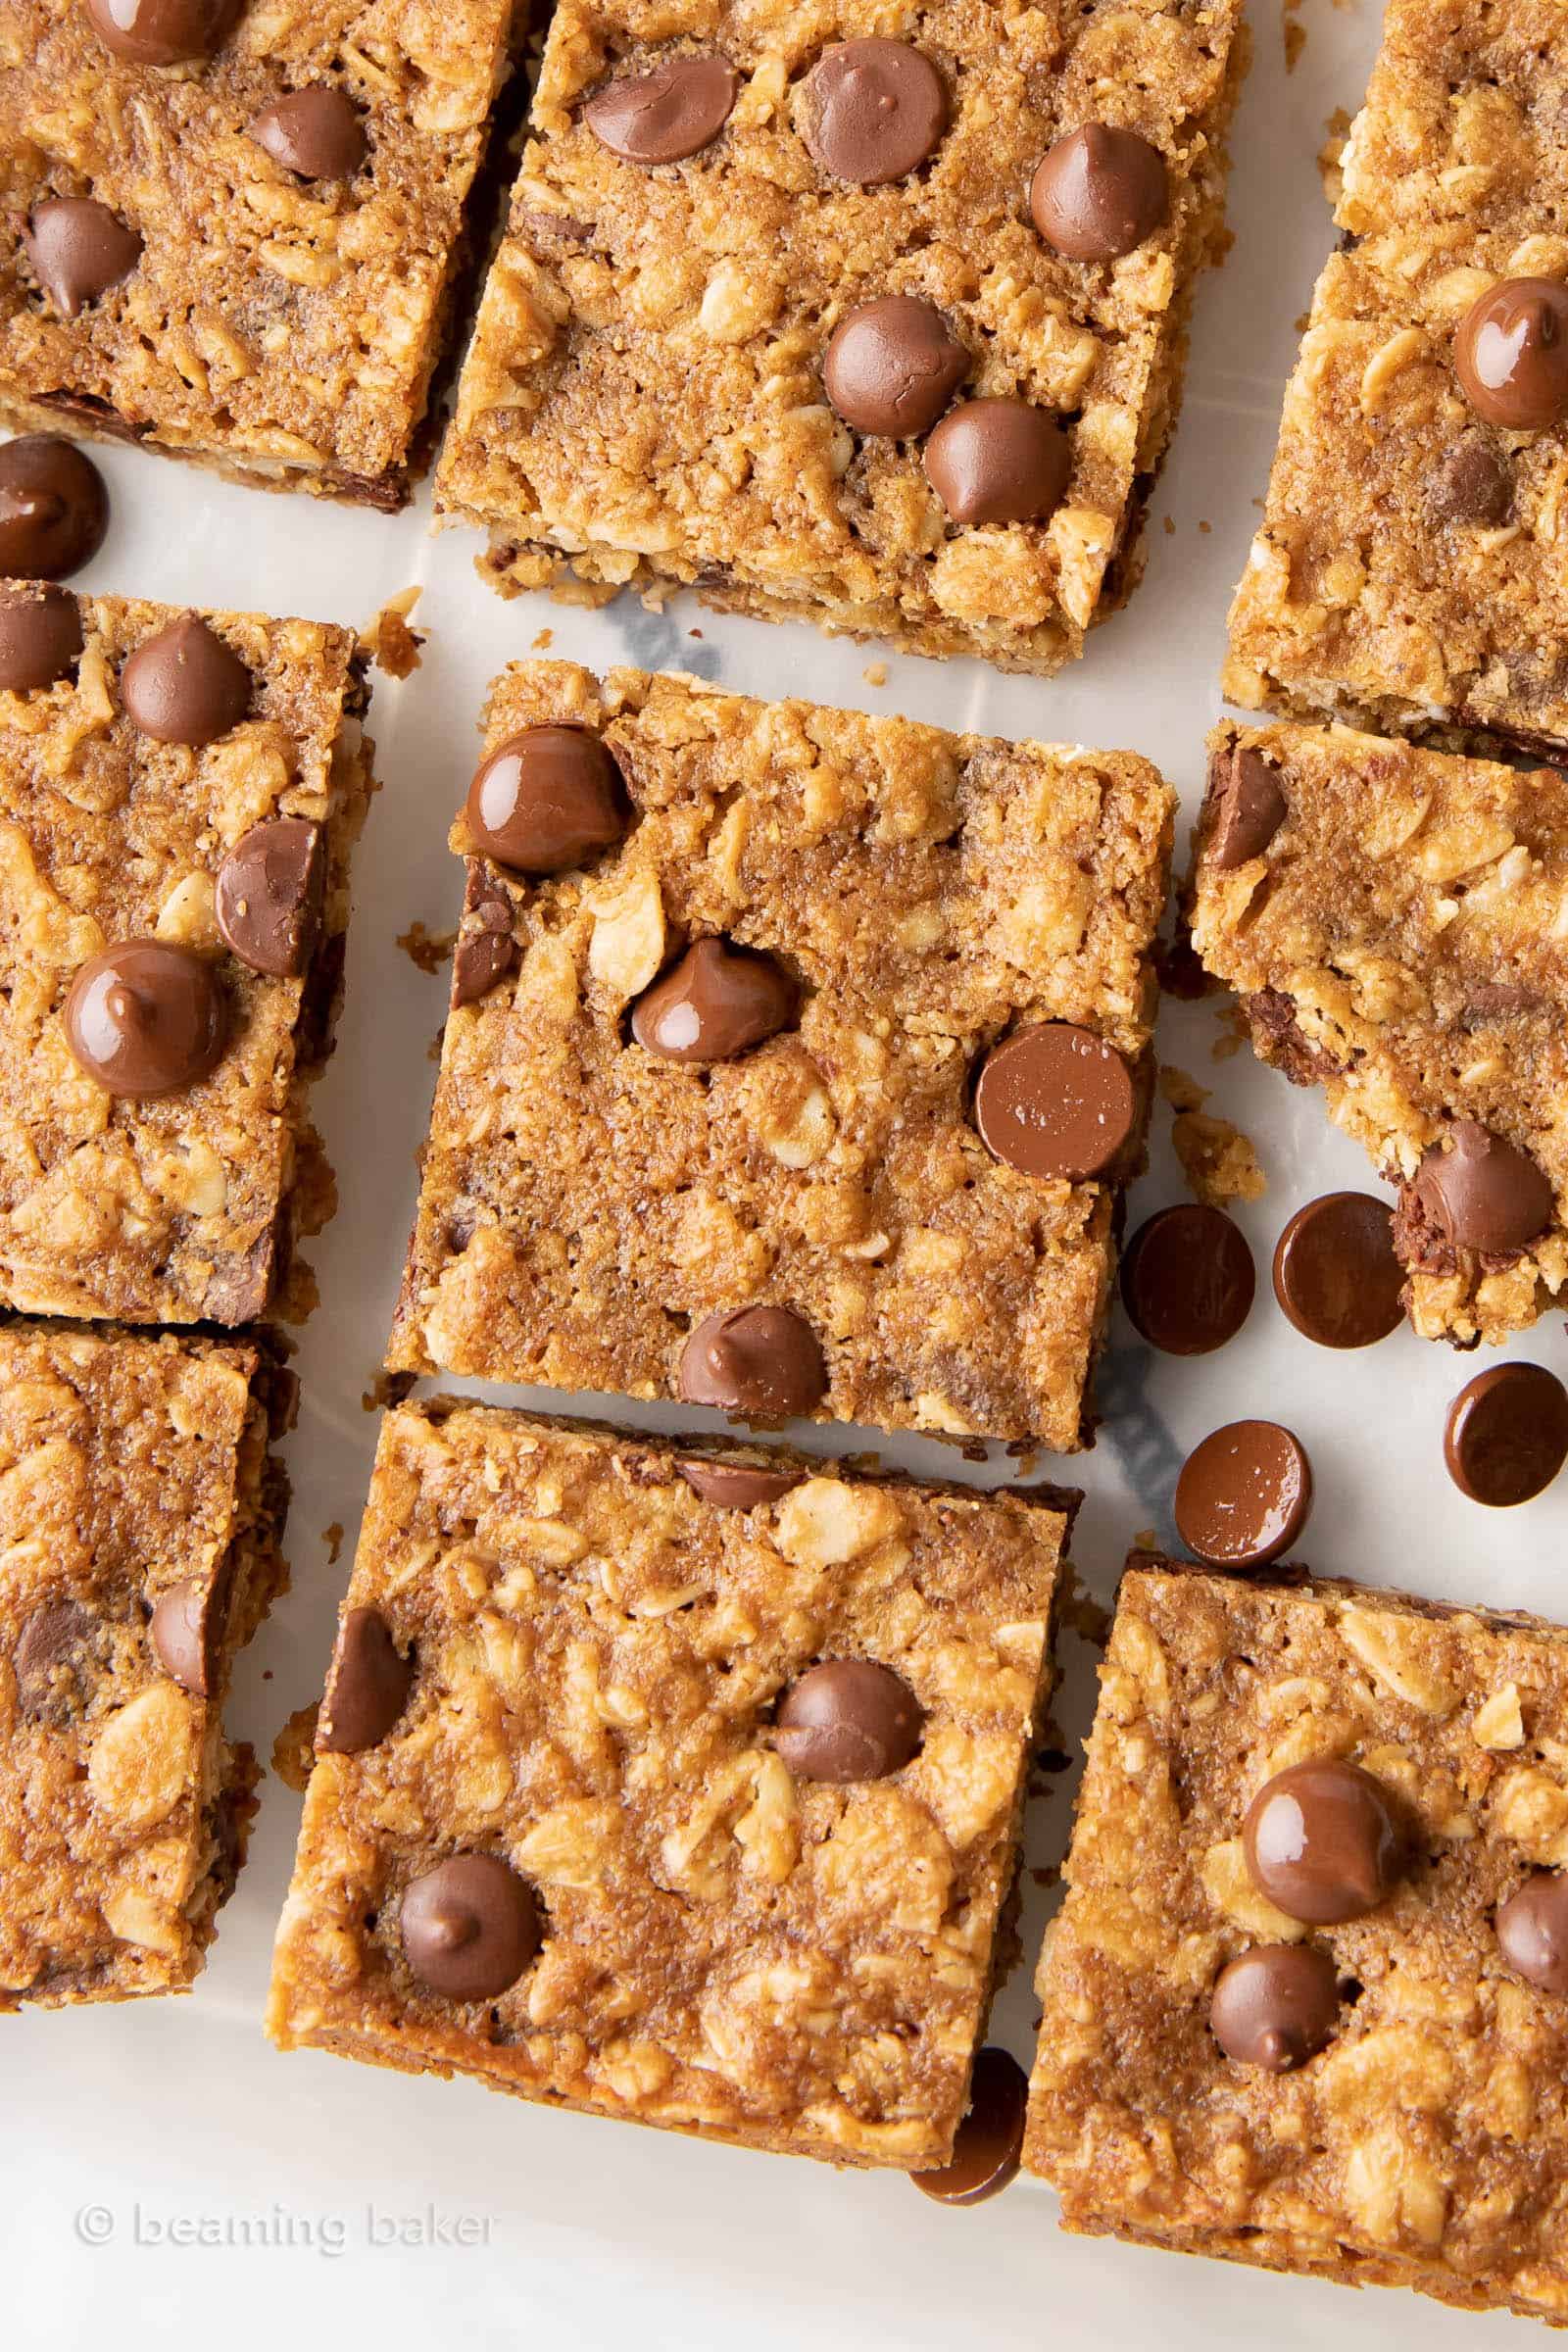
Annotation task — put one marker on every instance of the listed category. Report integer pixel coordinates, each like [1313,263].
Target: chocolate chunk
[1098,192]
[988,2146]
[893,366]
[163,33]
[872,111]
[185,685]
[1244,1495]
[78,249]
[1321,1841]
[761,1363]
[185,1634]
[482,959]
[547,799]
[1532,1931]
[268,896]
[1471,483]
[1056,1100]
[368,1684]
[849,1719]
[1489,1000]
[242,1281]
[146,1018]
[1187,1279]
[714,1004]
[316,132]
[1507,1433]
[470,1927]
[667,115]
[54,509]
[1244,809]
[997,461]
[735,1485]
[40,636]
[52,1660]
[1278,1036]
[1336,1274]
[1484,1193]
[1276,2006]
[1511,354]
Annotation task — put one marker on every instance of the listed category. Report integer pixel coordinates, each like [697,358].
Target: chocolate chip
[1483,1193]
[714,1004]
[78,249]
[1507,1435]
[185,685]
[52,1660]
[735,1485]
[1056,1100]
[1511,354]
[1321,1841]
[316,132]
[1244,1495]
[40,636]
[1532,1931]
[269,894]
[872,111]
[1098,192]
[368,1684]
[1187,1279]
[146,1018]
[547,799]
[482,959]
[849,1719]
[163,33]
[1471,483]
[54,509]
[1245,807]
[1276,2006]
[185,1634]
[892,366]
[997,461]
[667,115]
[989,2144]
[470,1927]
[761,1363]
[1334,1272]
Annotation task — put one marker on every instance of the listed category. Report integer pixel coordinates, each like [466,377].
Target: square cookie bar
[1307,2005]
[140,1516]
[708,1123]
[1408,575]
[178,796]
[773,315]
[679,1788]
[1394,922]
[231,230]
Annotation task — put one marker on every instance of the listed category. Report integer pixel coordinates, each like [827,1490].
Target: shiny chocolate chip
[761,1363]
[1334,1272]
[849,1719]
[1276,2006]
[184,1635]
[1244,1495]
[78,249]
[268,896]
[1322,1842]
[470,1927]
[1484,1193]
[664,116]
[1098,192]
[40,636]
[54,509]
[368,1684]
[893,366]
[997,461]
[1532,1931]
[546,799]
[1245,807]
[314,132]
[1056,1100]
[1507,1435]
[872,111]
[146,1018]
[1187,1279]
[1511,354]
[988,2147]
[163,33]
[735,1485]
[713,1005]
[185,685]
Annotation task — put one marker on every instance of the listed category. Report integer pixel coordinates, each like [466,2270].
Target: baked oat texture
[583,1204]
[642,401]
[728,1950]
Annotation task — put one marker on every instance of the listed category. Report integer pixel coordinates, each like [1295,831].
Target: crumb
[694,632]
[1331,155]
[543,642]
[1180,1090]
[1087,1618]
[1303,319]
[266,1674]
[1295,34]
[875,674]
[1217,1159]
[431,950]
[332,1538]
[385,1390]
[1233,1034]
[1205,528]
[1047,1874]
[389,641]
[1170,526]
[293,1751]
[432,1052]
[1145,1540]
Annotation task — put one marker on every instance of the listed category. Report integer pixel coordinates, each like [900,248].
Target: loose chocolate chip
[1245,807]
[183,1633]
[40,636]
[735,1485]
[849,1719]
[269,894]
[1244,1495]
[893,366]
[185,685]
[997,461]
[470,1927]
[1276,2006]
[762,1362]
[1334,1272]
[989,2145]
[1321,1841]
[316,132]
[163,33]
[51,1658]
[1098,192]
[1483,1193]
[54,509]
[1187,1279]
[1511,354]
[1532,1931]
[1507,1433]
[78,249]
[663,116]
[872,111]
[713,1005]
[1056,1100]
[146,1018]
[547,799]
[368,1684]
[1471,483]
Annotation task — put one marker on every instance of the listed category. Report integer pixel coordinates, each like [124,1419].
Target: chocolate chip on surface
[988,2146]
[1507,1433]
[368,1684]
[872,111]
[1098,192]
[849,1719]
[1322,1842]
[185,685]
[761,1363]
[1276,2006]
[316,132]
[268,896]
[892,366]
[1244,1495]
[480,961]
[735,1485]
[1336,1275]
[146,1018]
[1511,354]
[1246,808]
[997,461]
[54,507]
[1187,1279]
[470,1927]
[1056,1100]
[547,799]
[51,1661]
[1471,483]
[713,1005]
[183,1633]
[1483,1193]
[41,635]
[664,116]
[78,249]
[1532,1931]
[163,33]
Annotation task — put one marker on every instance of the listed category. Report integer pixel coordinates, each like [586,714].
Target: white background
[125,2121]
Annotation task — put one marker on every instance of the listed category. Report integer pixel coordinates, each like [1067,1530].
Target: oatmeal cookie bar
[887,333]
[803,1082]
[1394,921]
[679,1786]
[140,1516]
[178,796]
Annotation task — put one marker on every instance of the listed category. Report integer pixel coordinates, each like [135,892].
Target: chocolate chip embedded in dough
[892,366]
[989,2143]
[185,685]
[1056,1100]
[1322,1842]
[713,1005]
[1510,353]
[268,896]
[163,33]
[997,461]
[849,1719]
[872,111]
[41,635]
[760,1363]
[667,115]
[314,132]
[1482,1192]
[146,1018]
[54,507]
[470,1927]
[78,249]
[1098,192]
[1275,2007]
[1245,807]
[368,1684]
[547,799]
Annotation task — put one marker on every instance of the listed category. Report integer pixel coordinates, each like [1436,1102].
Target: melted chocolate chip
[40,636]
[53,1660]
[470,1927]
[761,1363]
[163,33]
[1244,809]
[893,366]
[314,132]
[368,1684]
[78,249]
[713,1005]
[1056,1100]
[1507,1435]
[664,116]
[1322,1842]
[269,894]
[1471,484]
[1276,2006]
[872,111]
[184,1633]
[1336,1274]
[1187,1279]
[989,2144]
[146,1018]
[1483,1193]
[185,685]
[997,461]
[1244,1495]
[735,1485]
[849,1719]
[1098,192]
[54,509]
[1511,354]
[547,799]
[1533,1932]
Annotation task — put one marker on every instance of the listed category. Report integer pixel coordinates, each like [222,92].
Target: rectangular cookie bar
[723,1069]
[679,1788]
[1408,575]
[1348,2064]
[140,1516]
[178,796]
[1394,921]
[247,258]
[711,193]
